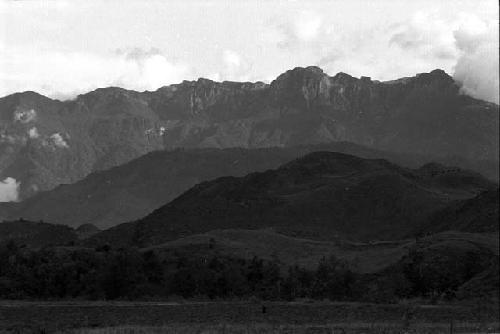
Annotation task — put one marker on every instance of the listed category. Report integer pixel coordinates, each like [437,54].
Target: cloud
[307,25]
[234,67]
[477,67]
[232,59]
[465,45]
[58,140]
[9,190]
[303,27]
[51,50]
[24,116]
[61,74]
[427,34]
[469,41]
[33,133]
[361,49]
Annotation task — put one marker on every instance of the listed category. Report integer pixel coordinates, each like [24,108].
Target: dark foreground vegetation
[128,273]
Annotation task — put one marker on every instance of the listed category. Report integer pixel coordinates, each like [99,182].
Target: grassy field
[240,317]
[362,257]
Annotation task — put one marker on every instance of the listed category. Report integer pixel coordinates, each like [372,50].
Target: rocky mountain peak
[345,78]
[300,86]
[61,142]
[205,82]
[436,76]
[440,73]
[300,74]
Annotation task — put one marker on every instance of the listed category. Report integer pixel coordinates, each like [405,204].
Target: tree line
[104,273]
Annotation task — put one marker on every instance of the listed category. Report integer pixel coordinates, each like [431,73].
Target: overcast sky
[63,48]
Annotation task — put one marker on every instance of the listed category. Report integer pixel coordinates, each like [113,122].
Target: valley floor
[244,317]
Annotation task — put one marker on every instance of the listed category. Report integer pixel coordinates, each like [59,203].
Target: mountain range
[396,181]
[46,142]
[133,190]
[367,211]
[321,196]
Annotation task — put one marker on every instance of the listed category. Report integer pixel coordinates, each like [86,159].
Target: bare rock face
[45,142]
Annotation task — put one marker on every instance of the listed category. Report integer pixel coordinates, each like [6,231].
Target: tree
[333,279]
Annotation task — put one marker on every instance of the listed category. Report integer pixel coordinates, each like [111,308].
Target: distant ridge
[46,142]
[323,196]
[133,190]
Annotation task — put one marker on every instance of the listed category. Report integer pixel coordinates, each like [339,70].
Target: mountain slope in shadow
[478,214]
[133,190]
[323,195]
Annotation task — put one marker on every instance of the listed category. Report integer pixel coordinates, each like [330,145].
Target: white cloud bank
[62,74]
[46,46]
[9,190]
[233,67]
[24,116]
[58,140]
[465,46]
[33,133]
[477,67]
